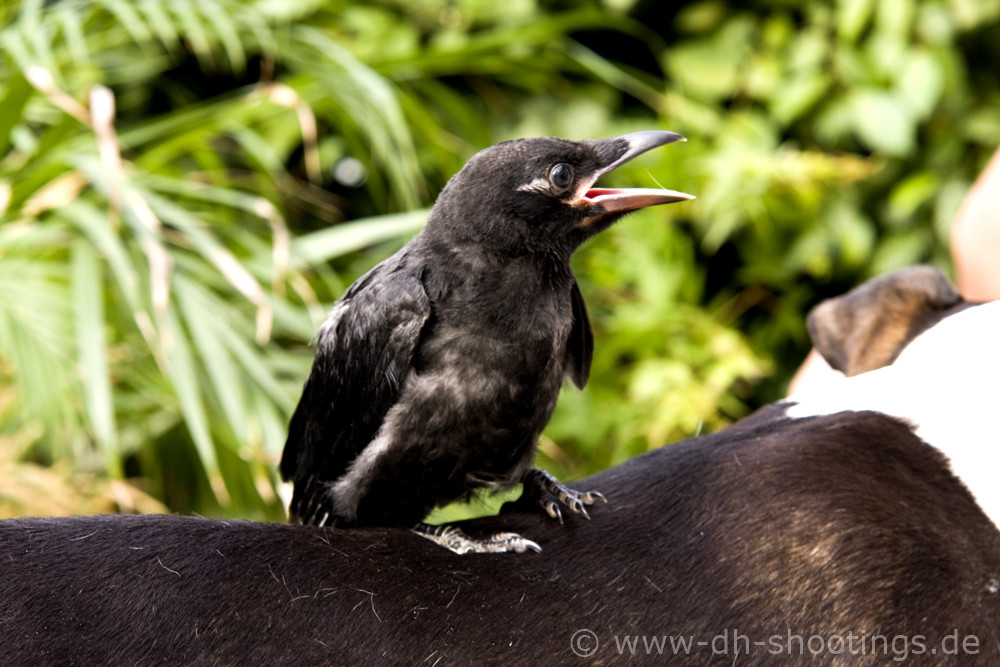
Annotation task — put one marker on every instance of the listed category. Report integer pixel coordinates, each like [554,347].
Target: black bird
[437,370]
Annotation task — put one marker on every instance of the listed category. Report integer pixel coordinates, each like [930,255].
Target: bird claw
[456,541]
[543,485]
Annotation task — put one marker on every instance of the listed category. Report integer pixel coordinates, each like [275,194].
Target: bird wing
[580,344]
[363,355]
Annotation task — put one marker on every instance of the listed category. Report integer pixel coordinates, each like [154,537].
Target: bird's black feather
[438,369]
[363,354]
[580,345]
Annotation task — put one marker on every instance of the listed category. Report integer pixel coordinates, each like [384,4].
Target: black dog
[838,539]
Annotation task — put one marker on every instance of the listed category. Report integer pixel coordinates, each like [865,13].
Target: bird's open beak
[622,200]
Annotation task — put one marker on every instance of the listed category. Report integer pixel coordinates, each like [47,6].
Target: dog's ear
[869,326]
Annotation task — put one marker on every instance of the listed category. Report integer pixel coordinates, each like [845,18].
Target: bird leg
[453,539]
[542,486]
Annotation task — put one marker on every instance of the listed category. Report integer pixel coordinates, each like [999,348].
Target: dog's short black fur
[774,527]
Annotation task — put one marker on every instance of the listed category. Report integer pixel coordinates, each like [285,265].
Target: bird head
[539,194]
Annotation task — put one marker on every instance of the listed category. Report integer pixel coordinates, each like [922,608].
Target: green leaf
[183,376]
[921,84]
[899,250]
[227,383]
[798,96]
[910,194]
[35,329]
[325,244]
[16,93]
[91,343]
[128,18]
[895,18]
[853,17]
[258,370]
[882,122]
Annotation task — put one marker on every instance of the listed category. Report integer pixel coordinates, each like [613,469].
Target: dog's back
[777,541]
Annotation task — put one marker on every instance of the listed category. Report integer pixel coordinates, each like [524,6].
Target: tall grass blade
[91,342]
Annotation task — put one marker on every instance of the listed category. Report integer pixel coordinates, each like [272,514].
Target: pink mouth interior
[595,193]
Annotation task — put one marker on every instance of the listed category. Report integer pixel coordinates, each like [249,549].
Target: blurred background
[186,186]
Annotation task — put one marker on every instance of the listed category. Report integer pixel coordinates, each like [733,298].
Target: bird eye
[561,176]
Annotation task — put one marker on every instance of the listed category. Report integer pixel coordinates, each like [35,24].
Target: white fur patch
[945,383]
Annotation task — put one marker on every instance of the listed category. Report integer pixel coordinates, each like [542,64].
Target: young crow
[438,369]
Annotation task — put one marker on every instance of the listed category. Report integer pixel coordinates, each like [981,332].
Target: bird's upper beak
[621,200]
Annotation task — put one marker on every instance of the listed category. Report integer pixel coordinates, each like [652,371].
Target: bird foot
[543,486]
[453,539]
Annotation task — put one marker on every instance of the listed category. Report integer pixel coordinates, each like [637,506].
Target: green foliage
[842,144]
[156,298]
[186,186]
